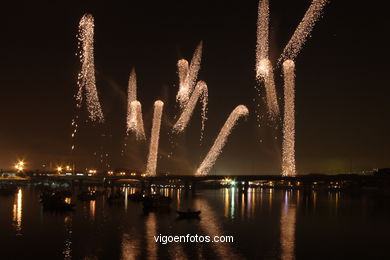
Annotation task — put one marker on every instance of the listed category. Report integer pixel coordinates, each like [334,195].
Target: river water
[264,223]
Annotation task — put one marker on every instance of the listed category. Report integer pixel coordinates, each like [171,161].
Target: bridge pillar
[186,185]
[193,186]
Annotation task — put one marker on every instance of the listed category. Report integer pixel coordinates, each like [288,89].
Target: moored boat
[188,214]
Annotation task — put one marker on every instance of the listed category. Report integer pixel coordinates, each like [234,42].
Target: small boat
[56,201]
[188,214]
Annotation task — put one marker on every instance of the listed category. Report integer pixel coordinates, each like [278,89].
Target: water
[266,224]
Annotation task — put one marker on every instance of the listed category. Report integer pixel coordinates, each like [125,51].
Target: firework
[188,75]
[219,143]
[154,139]
[288,160]
[135,123]
[266,75]
[262,32]
[86,78]
[199,92]
[132,87]
[303,30]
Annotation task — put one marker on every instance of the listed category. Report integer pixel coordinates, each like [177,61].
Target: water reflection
[17,212]
[67,252]
[126,197]
[92,209]
[176,251]
[226,202]
[130,247]
[287,228]
[210,225]
[151,232]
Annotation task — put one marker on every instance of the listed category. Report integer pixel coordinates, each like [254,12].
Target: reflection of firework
[288,161]
[86,78]
[219,143]
[303,30]
[199,92]
[188,75]
[154,138]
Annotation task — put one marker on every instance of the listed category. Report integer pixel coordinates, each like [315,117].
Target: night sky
[342,112]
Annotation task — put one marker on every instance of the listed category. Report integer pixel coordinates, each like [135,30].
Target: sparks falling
[188,75]
[262,47]
[86,78]
[219,143]
[132,87]
[200,91]
[264,69]
[303,30]
[136,124]
[266,75]
[154,139]
[134,110]
[288,160]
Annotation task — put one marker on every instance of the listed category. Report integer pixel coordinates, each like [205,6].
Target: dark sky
[342,112]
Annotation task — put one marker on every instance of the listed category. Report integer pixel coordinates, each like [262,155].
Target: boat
[188,214]
[56,201]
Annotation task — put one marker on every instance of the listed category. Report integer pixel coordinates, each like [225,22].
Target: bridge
[191,181]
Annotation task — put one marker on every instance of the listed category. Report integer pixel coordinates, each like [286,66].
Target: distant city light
[92,171]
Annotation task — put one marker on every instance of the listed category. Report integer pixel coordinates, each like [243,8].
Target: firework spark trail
[199,92]
[219,143]
[188,76]
[134,110]
[266,75]
[135,123]
[132,88]
[182,71]
[303,30]
[262,46]
[86,78]
[154,139]
[288,160]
